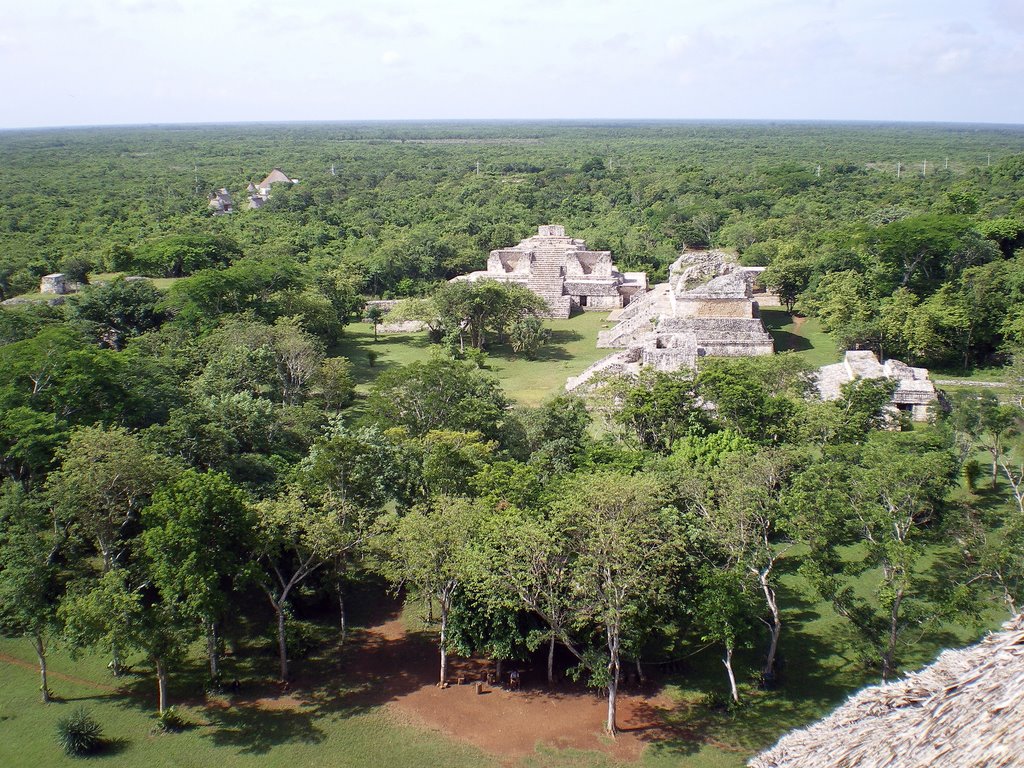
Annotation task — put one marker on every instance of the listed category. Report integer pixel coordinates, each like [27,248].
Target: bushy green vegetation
[79,734]
[230,458]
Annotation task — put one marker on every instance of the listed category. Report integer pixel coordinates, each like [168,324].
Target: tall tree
[621,542]
[121,610]
[30,545]
[741,505]
[885,499]
[296,537]
[427,552]
[106,477]
[198,538]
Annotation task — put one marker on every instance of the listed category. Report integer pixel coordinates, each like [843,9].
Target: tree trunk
[115,661]
[37,641]
[444,638]
[775,628]
[732,678]
[889,657]
[342,616]
[161,682]
[551,660]
[211,649]
[282,645]
[613,694]
[613,680]
[640,672]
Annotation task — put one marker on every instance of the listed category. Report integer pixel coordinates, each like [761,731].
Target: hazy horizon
[99,63]
[540,121]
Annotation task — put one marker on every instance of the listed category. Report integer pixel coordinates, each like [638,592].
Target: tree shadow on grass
[549,352]
[57,699]
[256,730]
[789,342]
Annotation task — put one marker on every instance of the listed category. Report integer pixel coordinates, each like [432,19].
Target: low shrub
[79,734]
[171,721]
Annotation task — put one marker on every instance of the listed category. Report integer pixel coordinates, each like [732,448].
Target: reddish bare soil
[385,665]
[401,669]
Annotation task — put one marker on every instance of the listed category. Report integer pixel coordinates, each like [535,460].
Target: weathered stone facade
[54,283]
[221,202]
[706,308]
[563,272]
[260,193]
[915,393]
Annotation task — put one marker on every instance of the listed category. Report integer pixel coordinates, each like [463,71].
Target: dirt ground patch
[399,669]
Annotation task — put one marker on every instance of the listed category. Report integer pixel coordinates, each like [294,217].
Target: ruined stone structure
[55,283]
[221,202]
[915,393]
[706,308]
[563,272]
[260,193]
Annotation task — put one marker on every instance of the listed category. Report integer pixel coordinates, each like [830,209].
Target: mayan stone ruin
[258,194]
[915,393]
[55,283]
[563,272]
[707,307]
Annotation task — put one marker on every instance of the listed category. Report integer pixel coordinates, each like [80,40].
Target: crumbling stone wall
[54,283]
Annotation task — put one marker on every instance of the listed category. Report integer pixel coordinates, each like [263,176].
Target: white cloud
[390,58]
[953,60]
[677,45]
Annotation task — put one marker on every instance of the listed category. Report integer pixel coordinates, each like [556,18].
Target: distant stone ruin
[55,283]
[221,202]
[260,193]
[706,308]
[563,272]
[915,393]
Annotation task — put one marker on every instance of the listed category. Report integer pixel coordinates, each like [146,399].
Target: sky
[102,62]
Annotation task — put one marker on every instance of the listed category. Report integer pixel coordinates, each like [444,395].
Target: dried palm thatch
[966,710]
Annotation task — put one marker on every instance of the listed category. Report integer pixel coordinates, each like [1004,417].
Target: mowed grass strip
[802,335]
[572,349]
[226,737]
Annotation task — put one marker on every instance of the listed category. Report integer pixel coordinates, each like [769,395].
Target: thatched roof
[964,710]
[276,176]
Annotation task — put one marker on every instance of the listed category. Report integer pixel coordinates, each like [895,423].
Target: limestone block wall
[735,348]
[509,262]
[592,287]
[54,283]
[551,230]
[714,308]
[598,303]
[589,263]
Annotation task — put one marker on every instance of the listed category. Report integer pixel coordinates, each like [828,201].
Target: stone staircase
[627,332]
[547,278]
[635,319]
[724,337]
[624,362]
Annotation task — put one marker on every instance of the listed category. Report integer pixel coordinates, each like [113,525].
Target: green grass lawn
[161,283]
[310,736]
[802,335]
[529,382]
[820,671]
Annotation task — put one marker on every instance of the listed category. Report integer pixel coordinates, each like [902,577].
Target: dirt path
[387,666]
[50,674]
[505,723]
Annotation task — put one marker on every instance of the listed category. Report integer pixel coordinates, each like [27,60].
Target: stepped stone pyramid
[563,272]
[706,308]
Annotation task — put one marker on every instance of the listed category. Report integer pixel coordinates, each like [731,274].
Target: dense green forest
[190,468]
